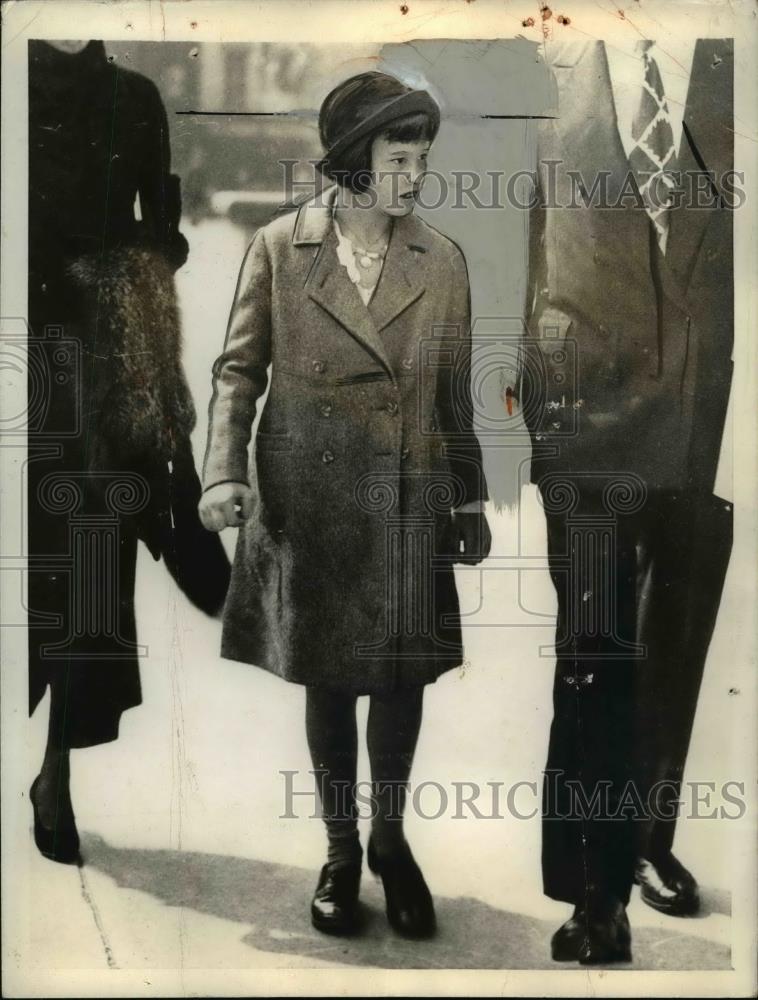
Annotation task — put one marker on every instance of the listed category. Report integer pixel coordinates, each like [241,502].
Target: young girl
[366,478]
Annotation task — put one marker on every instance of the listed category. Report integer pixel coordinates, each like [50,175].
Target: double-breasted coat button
[392,408]
[405,453]
[326,410]
[407,364]
[327,457]
[319,367]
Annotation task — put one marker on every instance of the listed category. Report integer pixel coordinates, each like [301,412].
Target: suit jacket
[365,441]
[627,360]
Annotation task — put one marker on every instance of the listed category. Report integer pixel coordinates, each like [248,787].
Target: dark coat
[343,577]
[629,351]
[110,459]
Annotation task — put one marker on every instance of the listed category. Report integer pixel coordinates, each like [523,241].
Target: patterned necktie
[653,155]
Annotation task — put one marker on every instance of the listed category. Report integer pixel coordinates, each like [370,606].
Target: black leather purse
[171,528]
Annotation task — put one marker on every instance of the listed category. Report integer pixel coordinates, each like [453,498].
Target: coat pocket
[267,442]
[274,479]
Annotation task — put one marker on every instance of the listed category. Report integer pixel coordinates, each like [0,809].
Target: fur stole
[139,404]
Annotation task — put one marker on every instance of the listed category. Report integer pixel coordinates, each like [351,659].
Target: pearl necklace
[347,252]
[365,257]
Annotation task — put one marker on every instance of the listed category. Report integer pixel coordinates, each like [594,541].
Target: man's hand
[227,505]
[471,537]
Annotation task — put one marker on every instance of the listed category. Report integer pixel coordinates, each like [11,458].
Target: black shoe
[410,909]
[597,934]
[335,908]
[667,886]
[567,940]
[60,844]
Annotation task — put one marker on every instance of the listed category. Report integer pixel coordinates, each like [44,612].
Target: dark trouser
[638,593]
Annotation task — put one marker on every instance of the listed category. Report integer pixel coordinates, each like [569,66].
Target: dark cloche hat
[363,105]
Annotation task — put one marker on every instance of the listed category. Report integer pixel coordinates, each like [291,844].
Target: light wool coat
[343,575]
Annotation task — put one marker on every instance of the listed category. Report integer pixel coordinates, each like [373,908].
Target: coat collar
[314,218]
[400,285]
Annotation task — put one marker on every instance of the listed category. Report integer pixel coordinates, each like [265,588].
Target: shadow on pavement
[273,900]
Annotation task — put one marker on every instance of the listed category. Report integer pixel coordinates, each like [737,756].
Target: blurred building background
[259,104]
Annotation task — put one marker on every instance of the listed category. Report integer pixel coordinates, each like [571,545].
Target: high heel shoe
[60,844]
[410,909]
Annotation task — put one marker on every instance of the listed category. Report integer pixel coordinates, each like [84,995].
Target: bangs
[412,128]
[352,167]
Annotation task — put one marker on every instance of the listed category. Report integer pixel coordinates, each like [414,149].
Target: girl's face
[398,168]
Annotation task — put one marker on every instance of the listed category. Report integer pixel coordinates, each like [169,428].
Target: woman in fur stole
[110,413]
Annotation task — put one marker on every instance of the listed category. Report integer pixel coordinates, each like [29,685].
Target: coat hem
[395,679]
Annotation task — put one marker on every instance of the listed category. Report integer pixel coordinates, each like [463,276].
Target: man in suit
[624,389]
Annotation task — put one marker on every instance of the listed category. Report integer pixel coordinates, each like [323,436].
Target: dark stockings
[393,727]
[53,793]
[392,733]
[333,742]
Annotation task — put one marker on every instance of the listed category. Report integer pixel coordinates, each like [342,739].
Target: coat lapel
[592,141]
[401,281]
[591,138]
[327,283]
[707,144]
[329,286]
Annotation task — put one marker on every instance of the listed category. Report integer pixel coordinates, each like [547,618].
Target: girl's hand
[227,505]
[471,537]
